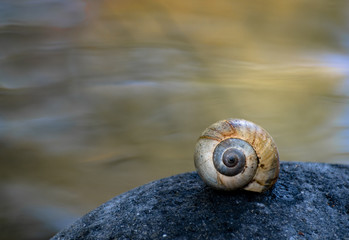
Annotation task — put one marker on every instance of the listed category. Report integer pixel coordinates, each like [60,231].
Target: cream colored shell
[261,169]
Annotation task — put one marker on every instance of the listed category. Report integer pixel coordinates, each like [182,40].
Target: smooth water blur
[98,97]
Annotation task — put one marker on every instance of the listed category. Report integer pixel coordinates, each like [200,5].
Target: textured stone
[309,201]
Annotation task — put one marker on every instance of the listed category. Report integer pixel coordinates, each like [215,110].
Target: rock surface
[309,201]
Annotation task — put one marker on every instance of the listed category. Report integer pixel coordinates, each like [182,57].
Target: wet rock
[309,201]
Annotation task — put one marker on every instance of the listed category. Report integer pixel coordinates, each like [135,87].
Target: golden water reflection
[104,96]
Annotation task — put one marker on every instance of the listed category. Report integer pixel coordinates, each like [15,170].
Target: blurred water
[98,97]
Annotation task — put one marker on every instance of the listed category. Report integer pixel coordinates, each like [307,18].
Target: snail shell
[235,153]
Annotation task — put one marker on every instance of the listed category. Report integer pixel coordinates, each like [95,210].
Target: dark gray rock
[309,201]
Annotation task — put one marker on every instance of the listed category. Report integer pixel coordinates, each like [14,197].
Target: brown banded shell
[235,153]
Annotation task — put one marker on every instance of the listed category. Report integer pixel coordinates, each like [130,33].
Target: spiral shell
[235,153]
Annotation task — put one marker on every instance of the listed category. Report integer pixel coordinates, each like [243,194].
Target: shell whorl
[235,153]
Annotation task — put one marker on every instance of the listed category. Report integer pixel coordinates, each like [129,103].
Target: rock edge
[309,201]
